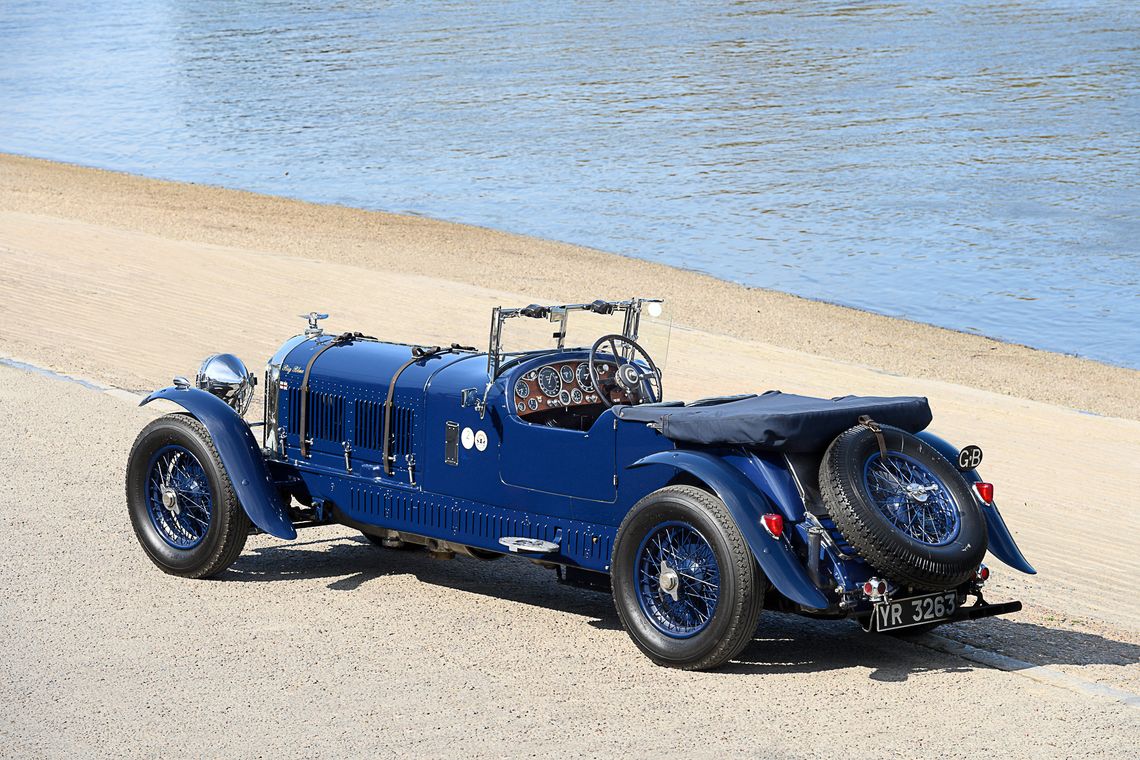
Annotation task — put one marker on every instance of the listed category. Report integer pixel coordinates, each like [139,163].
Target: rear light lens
[986,491]
[982,574]
[774,524]
[875,587]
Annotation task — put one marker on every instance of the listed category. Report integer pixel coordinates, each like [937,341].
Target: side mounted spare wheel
[910,514]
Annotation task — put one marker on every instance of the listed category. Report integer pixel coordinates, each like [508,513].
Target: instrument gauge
[564,397]
[521,406]
[549,382]
[576,396]
[522,390]
[584,377]
[567,374]
[533,404]
[530,375]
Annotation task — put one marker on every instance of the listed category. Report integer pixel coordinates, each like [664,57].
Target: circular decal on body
[481,441]
[969,458]
[467,438]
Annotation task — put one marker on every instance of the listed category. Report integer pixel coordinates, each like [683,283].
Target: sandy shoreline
[556,272]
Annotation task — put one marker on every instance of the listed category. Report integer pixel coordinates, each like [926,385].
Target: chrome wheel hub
[170,500]
[919,492]
[669,581]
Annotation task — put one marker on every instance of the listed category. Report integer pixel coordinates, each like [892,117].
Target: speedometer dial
[549,382]
[584,377]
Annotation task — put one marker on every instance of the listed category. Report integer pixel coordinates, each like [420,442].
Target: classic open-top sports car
[696,516]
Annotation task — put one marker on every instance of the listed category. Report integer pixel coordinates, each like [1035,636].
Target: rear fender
[1001,543]
[240,454]
[746,504]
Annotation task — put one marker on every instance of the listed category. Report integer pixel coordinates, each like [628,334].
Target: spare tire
[912,516]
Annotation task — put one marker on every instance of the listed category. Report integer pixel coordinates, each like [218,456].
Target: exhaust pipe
[815,539]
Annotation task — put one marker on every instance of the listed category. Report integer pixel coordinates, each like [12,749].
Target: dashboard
[558,385]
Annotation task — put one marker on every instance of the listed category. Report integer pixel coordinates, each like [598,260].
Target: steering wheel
[633,382]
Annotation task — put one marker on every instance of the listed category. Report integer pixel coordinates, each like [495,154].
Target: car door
[554,460]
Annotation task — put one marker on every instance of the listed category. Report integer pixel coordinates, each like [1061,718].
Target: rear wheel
[685,584]
[182,505]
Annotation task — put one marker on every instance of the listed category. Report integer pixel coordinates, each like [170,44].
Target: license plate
[915,610]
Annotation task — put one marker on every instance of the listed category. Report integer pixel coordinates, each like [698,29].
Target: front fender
[746,505]
[1001,543]
[240,454]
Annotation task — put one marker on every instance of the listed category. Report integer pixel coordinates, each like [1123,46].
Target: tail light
[875,588]
[774,524]
[986,491]
[982,574]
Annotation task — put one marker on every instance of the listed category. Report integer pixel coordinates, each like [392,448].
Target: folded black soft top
[777,421]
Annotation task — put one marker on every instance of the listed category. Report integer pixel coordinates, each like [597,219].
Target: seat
[775,421]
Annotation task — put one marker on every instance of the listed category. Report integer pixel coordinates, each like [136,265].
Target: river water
[968,164]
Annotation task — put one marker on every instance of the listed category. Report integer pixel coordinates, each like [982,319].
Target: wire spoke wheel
[686,585]
[178,497]
[910,513]
[678,579]
[181,500]
[912,498]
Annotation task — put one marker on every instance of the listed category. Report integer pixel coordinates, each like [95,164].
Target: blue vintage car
[696,516]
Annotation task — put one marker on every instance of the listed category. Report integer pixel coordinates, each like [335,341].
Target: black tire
[888,549]
[228,524]
[741,588]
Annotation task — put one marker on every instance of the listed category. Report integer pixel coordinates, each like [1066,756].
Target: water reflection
[970,164]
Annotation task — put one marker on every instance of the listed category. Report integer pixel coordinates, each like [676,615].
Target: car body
[490,453]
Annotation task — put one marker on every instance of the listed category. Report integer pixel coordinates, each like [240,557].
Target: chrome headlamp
[225,376]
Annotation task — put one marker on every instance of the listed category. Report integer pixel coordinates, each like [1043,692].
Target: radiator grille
[369,427]
[403,423]
[369,424]
[325,415]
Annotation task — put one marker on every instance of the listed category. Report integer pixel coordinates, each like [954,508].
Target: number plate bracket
[898,614]
[961,612]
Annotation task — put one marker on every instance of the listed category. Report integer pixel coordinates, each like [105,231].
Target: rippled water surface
[968,164]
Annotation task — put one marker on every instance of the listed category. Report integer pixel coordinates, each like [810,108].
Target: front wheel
[182,505]
[685,583]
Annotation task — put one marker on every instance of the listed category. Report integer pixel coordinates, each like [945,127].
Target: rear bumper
[982,609]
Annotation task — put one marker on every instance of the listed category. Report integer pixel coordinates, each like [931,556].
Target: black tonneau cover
[777,421]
